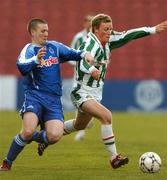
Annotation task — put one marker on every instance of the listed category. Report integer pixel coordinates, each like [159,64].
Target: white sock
[80,135]
[69,127]
[89,125]
[109,140]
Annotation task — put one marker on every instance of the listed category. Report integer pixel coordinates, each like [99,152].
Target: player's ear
[96,30]
[32,32]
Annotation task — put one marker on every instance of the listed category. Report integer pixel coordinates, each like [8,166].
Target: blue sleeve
[27,60]
[69,54]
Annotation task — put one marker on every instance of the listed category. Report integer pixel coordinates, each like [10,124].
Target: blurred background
[137,75]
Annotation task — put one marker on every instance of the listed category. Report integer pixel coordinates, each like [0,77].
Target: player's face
[87,23]
[40,34]
[104,31]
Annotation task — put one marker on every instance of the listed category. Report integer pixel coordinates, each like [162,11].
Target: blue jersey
[45,75]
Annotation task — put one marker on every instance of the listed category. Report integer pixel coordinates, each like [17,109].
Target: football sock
[16,147]
[109,139]
[40,137]
[69,127]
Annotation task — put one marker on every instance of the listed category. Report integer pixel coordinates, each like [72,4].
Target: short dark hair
[32,24]
[98,19]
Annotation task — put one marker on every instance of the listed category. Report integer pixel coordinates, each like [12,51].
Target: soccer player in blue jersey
[39,63]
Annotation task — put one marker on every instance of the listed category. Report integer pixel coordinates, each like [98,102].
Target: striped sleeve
[119,39]
[77,40]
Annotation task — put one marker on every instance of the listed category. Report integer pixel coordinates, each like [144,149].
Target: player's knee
[107,117]
[27,134]
[54,137]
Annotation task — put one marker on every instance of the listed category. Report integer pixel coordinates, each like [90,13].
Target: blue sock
[40,137]
[15,148]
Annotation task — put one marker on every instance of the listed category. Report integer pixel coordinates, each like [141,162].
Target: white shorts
[82,93]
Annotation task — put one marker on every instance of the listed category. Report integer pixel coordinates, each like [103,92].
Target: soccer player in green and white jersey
[77,40]
[87,94]
[81,36]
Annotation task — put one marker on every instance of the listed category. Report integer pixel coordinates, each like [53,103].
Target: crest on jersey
[51,50]
[89,97]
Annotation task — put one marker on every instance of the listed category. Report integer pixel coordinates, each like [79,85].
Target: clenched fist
[96,74]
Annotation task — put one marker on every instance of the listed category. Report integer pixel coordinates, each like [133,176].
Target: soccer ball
[150,162]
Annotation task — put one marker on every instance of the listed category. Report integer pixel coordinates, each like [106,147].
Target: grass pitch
[69,160]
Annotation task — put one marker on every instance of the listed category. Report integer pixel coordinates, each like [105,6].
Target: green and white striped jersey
[102,54]
[78,39]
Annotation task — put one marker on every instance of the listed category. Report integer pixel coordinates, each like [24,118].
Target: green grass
[69,160]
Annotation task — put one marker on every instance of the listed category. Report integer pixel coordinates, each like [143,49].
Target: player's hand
[89,58]
[96,74]
[41,53]
[161,27]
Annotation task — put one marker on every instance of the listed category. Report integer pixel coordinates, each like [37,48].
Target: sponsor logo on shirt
[89,97]
[48,62]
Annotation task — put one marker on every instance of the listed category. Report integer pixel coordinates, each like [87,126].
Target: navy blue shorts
[45,106]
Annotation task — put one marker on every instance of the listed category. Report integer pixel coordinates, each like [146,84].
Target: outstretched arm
[161,27]
[119,39]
